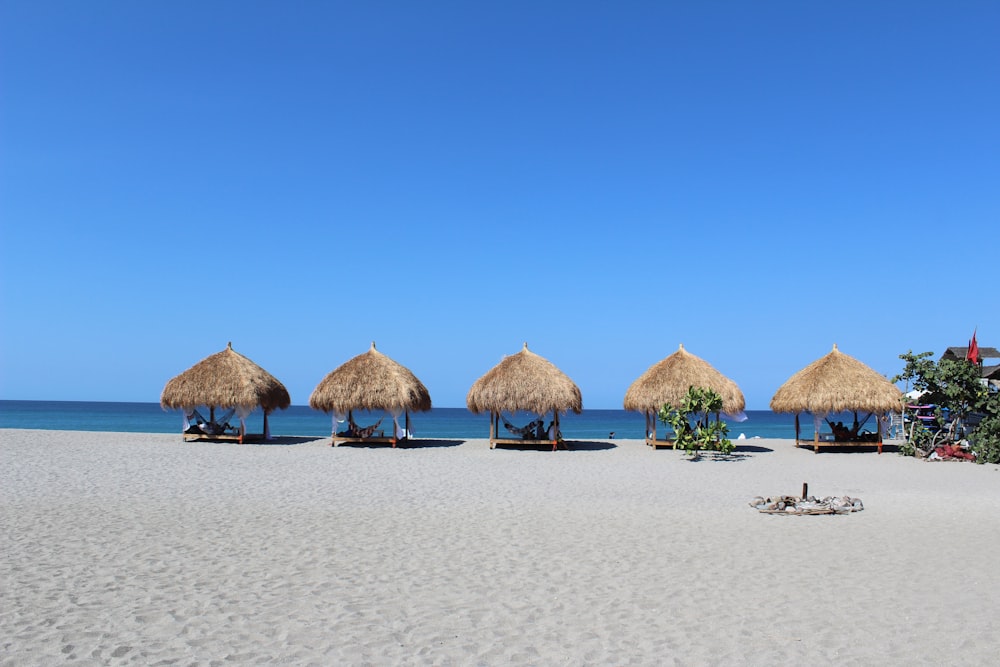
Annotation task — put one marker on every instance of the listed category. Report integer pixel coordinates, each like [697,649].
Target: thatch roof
[226,379]
[668,381]
[370,381]
[836,383]
[524,381]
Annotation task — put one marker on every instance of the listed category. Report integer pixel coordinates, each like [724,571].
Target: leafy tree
[985,440]
[956,389]
[918,370]
[697,406]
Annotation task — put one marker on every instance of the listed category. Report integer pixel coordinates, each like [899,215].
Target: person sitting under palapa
[529,432]
[208,427]
[843,434]
[840,432]
[355,431]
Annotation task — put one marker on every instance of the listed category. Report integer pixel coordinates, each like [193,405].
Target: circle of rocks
[808,505]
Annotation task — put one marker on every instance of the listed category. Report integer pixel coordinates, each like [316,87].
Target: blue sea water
[300,420]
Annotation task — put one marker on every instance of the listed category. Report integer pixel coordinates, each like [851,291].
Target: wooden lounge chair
[365,435]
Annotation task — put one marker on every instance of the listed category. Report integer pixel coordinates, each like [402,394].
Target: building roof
[991,372]
[960,352]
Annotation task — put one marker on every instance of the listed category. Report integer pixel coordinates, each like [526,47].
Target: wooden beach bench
[656,444]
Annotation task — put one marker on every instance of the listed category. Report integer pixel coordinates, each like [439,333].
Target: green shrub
[985,440]
[705,434]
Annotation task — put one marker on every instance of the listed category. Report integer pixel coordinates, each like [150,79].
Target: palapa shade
[837,383]
[370,381]
[668,381]
[524,381]
[226,379]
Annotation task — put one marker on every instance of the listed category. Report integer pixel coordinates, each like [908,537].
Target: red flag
[973,353]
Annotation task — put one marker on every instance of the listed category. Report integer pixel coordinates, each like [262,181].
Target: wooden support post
[805,490]
[555,434]
[493,418]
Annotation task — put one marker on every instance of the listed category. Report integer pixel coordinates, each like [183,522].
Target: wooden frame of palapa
[375,439]
[495,438]
[652,440]
[816,443]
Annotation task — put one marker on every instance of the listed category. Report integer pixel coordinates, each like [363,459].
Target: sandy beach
[141,549]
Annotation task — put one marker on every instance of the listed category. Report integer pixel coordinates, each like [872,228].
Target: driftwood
[808,505]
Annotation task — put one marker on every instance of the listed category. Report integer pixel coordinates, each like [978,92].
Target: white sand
[141,549]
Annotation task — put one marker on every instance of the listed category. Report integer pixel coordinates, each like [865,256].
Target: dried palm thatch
[226,379]
[524,381]
[668,381]
[370,381]
[837,383]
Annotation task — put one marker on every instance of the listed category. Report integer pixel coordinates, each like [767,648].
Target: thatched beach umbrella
[226,379]
[837,383]
[523,381]
[371,381]
[669,380]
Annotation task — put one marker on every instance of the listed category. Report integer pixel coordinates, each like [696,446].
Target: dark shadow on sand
[753,448]
[741,453]
[568,445]
[258,440]
[416,443]
[590,445]
[429,443]
[287,440]
[735,457]
[860,448]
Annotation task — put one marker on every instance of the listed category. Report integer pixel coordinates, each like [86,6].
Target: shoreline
[303,420]
[123,548]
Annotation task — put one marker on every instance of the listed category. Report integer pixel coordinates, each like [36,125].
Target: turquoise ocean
[299,420]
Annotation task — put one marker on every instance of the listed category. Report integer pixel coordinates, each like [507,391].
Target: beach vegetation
[692,423]
[919,438]
[956,390]
[985,440]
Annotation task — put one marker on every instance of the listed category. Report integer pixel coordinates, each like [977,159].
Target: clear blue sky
[755,180]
